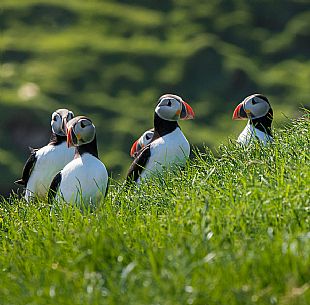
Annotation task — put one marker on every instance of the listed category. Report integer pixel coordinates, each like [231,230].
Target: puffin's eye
[55,118]
[82,124]
[169,103]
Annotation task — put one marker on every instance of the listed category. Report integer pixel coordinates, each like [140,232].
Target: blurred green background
[111,60]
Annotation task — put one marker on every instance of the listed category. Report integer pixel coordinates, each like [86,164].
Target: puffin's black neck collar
[163,127]
[264,123]
[90,148]
[56,139]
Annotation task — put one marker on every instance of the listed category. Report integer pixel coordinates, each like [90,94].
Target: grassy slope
[233,230]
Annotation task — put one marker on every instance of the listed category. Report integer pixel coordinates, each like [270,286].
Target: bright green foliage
[111,60]
[232,229]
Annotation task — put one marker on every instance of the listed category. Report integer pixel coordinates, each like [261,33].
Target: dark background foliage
[111,60]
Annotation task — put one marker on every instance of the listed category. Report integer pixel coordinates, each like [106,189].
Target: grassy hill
[111,60]
[227,230]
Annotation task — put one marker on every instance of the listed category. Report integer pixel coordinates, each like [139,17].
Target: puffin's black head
[59,121]
[80,131]
[171,107]
[253,107]
[144,140]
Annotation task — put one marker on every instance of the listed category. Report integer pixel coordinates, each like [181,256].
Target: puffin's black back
[30,163]
[138,164]
[28,167]
[54,188]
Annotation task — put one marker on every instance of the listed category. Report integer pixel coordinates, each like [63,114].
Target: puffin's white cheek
[157,109]
[166,113]
[260,110]
[79,130]
[177,107]
[265,108]
[248,107]
[55,124]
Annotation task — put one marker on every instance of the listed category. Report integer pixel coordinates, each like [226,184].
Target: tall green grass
[232,229]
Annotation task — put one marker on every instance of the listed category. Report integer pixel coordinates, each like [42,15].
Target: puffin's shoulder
[140,162]
[251,133]
[28,167]
[177,132]
[54,187]
[175,136]
[45,150]
[264,137]
[88,161]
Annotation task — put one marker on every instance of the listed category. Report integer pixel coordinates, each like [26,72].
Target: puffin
[257,110]
[144,140]
[168,147]
[44,163]
[84,180]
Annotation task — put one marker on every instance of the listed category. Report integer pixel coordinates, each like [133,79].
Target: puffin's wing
[138,164]
[54,188]
[29,165]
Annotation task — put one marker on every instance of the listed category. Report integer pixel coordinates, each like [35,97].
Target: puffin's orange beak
[69,137]
[240,113]
[189,112]
[134,148]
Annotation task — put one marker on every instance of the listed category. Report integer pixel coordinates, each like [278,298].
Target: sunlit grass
[232,229]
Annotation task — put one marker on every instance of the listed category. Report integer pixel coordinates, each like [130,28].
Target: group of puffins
[68,168]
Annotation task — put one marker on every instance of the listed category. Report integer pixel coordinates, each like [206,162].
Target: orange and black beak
[187,113]
[135,148]
[69,137]
[240,113]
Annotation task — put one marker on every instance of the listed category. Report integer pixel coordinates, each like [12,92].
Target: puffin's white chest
[251,133]
[50,159]
[85,177]
[170,150]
